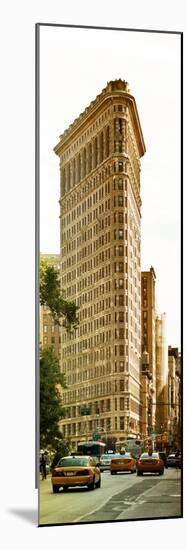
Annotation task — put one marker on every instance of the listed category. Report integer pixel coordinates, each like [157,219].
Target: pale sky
[75,65]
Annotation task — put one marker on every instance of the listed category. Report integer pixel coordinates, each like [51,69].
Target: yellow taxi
[75,471]
[150,462]
[123,463]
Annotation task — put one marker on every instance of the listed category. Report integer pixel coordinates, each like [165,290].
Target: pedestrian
[43,466]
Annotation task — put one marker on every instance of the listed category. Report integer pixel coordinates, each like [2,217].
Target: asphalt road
[121,497]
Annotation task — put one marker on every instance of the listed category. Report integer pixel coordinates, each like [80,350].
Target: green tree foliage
[62,448]
[63,312]
[51,411]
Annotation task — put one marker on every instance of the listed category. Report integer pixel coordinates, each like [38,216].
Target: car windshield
[106,458]
[73,461]
[121,456]
[146,455]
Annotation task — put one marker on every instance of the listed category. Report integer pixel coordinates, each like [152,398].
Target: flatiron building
[100,238]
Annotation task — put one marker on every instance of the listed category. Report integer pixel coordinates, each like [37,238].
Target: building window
[101,147]
[121,300]
[78,168]
[121,316]
[121,423]
[121,403]
[107,141]
[108,424]
[84,162]
[120,200]
[95,152]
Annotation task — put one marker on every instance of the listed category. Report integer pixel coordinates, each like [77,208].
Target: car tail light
[57,473]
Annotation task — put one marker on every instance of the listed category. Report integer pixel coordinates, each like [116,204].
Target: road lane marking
[119,501]
[104,502]
[127,503]
[77,520]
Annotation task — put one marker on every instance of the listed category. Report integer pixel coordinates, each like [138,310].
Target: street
[121,497]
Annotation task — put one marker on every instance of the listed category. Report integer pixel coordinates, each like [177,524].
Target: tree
[62,448]
[63,312]
[51,411]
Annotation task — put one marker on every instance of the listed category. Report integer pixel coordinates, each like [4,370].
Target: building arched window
[89,160]
[107,138]
[101,151]
[84,162]
[68,177]
[73,172]
[78,168]
[63,182]
[95,152]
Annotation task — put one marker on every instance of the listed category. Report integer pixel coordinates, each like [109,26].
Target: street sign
[84,411]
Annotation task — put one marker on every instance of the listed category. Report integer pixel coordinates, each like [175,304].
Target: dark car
[163,456]
[174,460]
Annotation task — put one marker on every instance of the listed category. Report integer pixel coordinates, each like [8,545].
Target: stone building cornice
[116,88]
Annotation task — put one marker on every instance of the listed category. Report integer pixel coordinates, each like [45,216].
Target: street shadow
[72,490]
[29,515]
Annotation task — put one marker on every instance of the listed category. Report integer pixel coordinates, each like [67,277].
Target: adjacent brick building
[50,333]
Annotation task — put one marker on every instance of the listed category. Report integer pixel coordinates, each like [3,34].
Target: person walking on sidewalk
[43,467]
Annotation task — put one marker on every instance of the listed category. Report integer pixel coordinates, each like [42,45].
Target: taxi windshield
[152,455]
[73,461]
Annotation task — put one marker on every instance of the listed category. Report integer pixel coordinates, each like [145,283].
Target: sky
[75,65]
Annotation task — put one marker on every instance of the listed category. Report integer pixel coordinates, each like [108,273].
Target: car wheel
[91,486]
[161,473]
[55,488]
[139,473]
[65,489]
[98,484]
